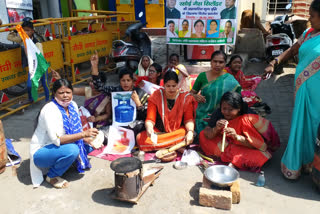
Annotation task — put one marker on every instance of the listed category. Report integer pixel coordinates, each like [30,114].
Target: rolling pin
[162,152]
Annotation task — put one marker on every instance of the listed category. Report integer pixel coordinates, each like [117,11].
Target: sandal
[57,182]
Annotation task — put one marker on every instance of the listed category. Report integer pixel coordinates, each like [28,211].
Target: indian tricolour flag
[36,62]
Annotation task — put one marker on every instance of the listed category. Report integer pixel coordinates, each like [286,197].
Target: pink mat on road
[148,155]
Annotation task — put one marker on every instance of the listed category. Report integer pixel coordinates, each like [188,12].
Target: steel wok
[221,175]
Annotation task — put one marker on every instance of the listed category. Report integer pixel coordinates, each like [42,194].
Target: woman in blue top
[299,153]
[213,32]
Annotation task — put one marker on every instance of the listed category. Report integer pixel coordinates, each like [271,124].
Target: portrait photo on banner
[184,28]
[198,28]
[201,22]
[123,109]
[172,28]
[227,29]
[213,26]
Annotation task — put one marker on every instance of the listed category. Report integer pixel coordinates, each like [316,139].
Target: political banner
[17,15]
[201,22]
[20,4]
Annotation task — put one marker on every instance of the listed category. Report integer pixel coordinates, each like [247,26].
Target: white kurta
[48,131]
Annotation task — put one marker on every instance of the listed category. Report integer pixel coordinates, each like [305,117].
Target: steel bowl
[221,175]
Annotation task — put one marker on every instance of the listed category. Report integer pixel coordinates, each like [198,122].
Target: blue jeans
[57,158]
[45,84]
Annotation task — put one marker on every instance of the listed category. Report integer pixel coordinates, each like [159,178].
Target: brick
[206,183]
[220,199]
[235,190]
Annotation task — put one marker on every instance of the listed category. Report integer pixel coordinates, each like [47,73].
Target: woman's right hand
[94,60]
[55,74]
[141,84]
[90,133]
[149,132]
[221,124]
[91,119]
[268,71]
[199,98]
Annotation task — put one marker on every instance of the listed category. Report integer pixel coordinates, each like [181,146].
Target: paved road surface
[176,191]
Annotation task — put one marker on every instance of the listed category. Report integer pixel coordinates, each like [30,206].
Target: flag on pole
[4,98]
[74,29]
[36,62]
[47,33]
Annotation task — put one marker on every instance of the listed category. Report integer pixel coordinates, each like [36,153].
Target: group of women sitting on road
[212,107]
[170,112]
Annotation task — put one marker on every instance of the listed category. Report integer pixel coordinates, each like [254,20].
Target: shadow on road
[194,193]
[104,196]
[23,172]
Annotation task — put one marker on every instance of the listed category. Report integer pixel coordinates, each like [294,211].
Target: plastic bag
[84,114]
[191,157]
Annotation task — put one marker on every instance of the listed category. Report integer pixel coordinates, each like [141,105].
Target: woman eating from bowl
[250,139]
[58,138]
[170,114]
[210,86]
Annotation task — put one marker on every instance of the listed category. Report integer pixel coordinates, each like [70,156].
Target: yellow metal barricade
[126,6]
[81,47]
[76,49]
[52,51]
[155,14]
[11,72]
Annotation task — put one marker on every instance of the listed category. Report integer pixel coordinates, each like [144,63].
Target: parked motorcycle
[129,53]
[282,36]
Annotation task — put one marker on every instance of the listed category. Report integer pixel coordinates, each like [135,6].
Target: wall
[103,5]
[260,7]
[83,5]
[64,8]
[53,5]
[301,8]
[5,20]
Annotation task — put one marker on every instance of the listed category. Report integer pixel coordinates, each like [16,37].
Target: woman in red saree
[248,83]
[250,139]
[154,76]
[170,116]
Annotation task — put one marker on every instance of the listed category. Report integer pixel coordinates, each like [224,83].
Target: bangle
[277,62]
[238,138]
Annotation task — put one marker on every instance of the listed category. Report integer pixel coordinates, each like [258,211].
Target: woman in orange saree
[250,139]
[170,116]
